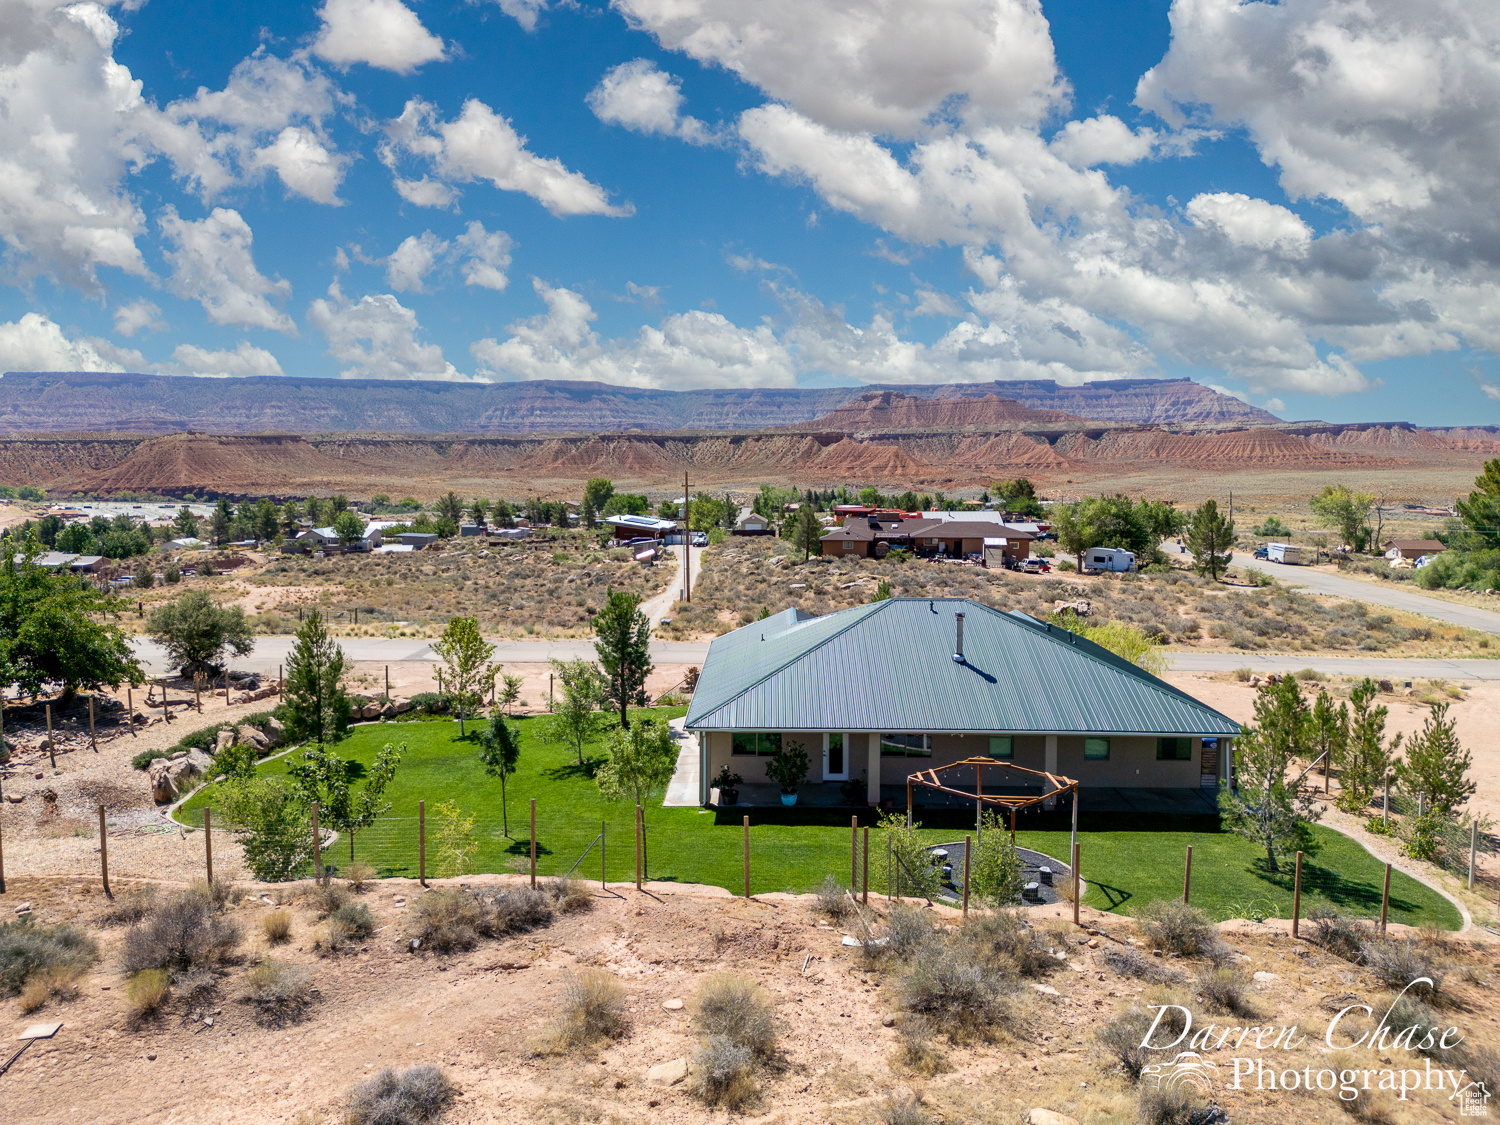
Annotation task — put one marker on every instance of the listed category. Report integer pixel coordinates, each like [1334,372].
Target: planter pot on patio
[789,798]
[729,796]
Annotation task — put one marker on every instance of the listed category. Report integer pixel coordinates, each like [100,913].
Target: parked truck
[1287,553]
[1110,559]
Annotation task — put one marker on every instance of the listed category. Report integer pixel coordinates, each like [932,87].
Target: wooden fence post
[422,842]
[853,853]
[1012,827]
[130,712]
[1187,875]
[51,746]
[166,713]
[1297,897]
[638,847]
[968,847]
[1385,898]
[281,681]
[2,856]
[747,857]
[226,685]
[603,871]
[317,845]
[198,691]
[104,853]
[533,841]
[387,681]
[1473,844]
[1077,883]
[866,894]
[208,842]
[94,738]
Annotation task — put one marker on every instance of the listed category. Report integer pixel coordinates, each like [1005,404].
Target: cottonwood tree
[197,632]
[499,750]
[640,764]
[1436,766]
[1210,537]
[623,638]
[348,527]
[1367,761]
[1263,808]
[596,494]
[1341,507]
[807,534]
[575,718]
[466,657]
[317,707]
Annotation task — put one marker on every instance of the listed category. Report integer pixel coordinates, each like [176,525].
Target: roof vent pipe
[958,651]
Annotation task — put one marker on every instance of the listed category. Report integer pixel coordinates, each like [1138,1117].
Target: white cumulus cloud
[524,12]
[35,343]
[1246,221]
[245,360]
[138,316]
[481,145]
[486,256]
[641,96]
[377,338]
[212,264]
[413,260]
[382,33]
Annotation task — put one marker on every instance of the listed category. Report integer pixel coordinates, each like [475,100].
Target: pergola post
[1073,843]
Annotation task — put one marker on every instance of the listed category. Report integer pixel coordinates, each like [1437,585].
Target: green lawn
[792,849]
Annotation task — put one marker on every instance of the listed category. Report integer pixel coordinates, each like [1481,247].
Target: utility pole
[687,543]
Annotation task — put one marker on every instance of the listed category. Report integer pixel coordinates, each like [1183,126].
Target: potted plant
[728,785]
[788,768]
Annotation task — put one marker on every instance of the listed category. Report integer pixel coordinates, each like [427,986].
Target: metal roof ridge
[872,608]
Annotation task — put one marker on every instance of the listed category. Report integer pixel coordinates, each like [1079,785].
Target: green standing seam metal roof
[889,666]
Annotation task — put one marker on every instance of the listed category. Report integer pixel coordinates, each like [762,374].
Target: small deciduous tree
[640,764]
[995,871]
[1263,808]
[807,534]
[1347,510]
[269,818]
[574,719]
[500,750]
[348,527]
[466,657]
[323,776]
[1210,537]
[455,839]
[317,707]
[1367,760]
[510,694]
[623,638]
[197,632]
[1436,765]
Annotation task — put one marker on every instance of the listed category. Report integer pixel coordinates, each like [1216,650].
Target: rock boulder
[671,1073]
[163,788]
[275,732]
[247,735]
[223,741]
[402,706]
[1048,1117]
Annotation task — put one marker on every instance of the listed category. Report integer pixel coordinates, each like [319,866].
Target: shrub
[412,1096]
[960,995]
[326,898]
[1224,991]
[448,920]
[593,1008]
[1341,936]
[28,950]
[1397,963]
[279,993]
[1176,927]
[916,1052]
[739,1010]
[907,930]
[130,907]
[1121,1038]
[358,876]
[1170,1105]
[903,1111]
[1132,963]
[355,919]
[722,1073]
[277,926]
[147,991]
[182,932]
[518,910]
[569,895]
[219,892]
[831,900]
[1008,943]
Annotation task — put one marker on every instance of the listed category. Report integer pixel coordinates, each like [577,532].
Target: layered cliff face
[886,411]
[71,402]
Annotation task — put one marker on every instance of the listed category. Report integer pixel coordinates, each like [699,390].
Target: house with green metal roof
[880,691]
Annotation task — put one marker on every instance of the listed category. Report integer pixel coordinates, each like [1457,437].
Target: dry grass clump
[569,896]
[147,991]
[961,995]
[737,1008]
[130,907]
[325,898]
[905,1110]
[446,921]
[1120,1039]
[1132,963]
[278,993]
[907,930]
[722,1073]
[1175,927]
[518,910]
[358,876]
[277,926]
[917,1053]
[831,899]
[1172,1105]
[60,981]
[220,892]
[1396,964]
[1225,990]
[1341,936]
[593,1008]
[413,1096]
[1007,942]
[184,931]
[29,951]
[350,922]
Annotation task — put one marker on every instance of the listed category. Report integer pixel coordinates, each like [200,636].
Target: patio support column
[1051,766]
[872,771]
[1226,752]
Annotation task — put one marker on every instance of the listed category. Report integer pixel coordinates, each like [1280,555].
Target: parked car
[1035,566]
[1262,553]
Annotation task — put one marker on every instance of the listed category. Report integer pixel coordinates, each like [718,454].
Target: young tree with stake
[1368,757]
[1436,766]
[466,657]
[641,762]
[623,644]
[575,716]
[1264,809]
[499,750]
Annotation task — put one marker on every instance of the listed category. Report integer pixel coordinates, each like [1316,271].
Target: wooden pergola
[929,779]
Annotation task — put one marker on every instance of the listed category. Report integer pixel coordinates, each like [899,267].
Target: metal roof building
[943,679]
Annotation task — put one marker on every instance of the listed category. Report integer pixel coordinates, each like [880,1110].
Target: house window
[757,743]
[849,545]
[1174,749]
[1096,749]
[906,745]
[1000,746]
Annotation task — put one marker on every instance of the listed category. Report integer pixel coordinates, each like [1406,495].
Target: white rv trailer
[1113,559]
[1286,553]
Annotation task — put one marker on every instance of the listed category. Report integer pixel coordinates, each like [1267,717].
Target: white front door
[836,757]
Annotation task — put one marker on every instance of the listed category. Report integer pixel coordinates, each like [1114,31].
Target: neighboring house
[55,560]
[87,564]
[319,538]
[1412,549]
[880,691]
[927,538]
[753,523]
[375,532]
[627,528]
[192,543]
[417,540]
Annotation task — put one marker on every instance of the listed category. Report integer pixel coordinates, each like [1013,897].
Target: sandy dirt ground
[482,1015]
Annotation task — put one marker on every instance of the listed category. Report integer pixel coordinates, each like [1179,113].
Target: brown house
[952,539]
[1412,549]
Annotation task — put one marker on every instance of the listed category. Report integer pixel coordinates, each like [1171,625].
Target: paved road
[271,651]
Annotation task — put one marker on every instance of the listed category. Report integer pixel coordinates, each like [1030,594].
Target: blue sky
[1291,202]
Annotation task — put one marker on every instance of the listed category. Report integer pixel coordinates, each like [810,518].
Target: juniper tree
[1210,537]
[1328,734]
[316,706]
[1436,765]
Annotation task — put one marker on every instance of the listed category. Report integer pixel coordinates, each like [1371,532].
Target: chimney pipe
[958,652]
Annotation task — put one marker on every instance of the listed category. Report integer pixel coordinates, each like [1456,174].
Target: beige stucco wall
[1132,762]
